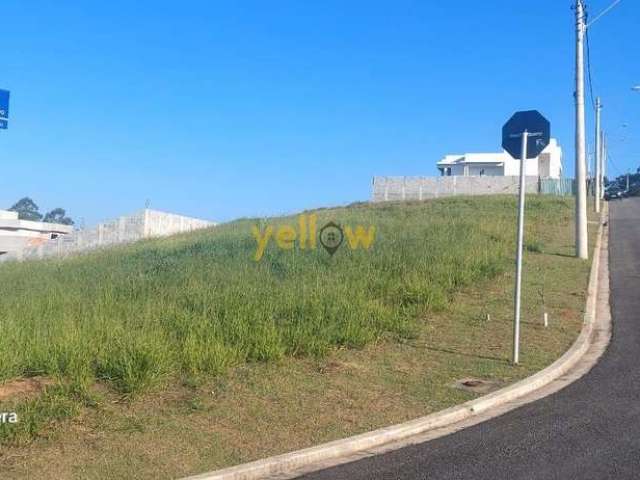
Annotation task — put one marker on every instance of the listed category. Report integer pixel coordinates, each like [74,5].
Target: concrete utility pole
[627,181]
[598,157]
[602,162]
[605,156]
[581,164]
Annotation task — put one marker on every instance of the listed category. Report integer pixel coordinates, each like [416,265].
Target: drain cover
[477,385]
[472,383]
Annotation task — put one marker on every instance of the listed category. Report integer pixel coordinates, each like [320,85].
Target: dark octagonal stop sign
[538,128]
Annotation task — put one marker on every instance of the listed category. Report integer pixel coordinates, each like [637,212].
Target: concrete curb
[304,460]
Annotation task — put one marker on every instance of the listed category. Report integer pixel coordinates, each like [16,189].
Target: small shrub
[534,246]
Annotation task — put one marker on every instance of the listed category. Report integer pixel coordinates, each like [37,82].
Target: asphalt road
[589,430]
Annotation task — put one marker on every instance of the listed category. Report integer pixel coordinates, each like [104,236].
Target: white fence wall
[159,223]
[386,189]
[126,229]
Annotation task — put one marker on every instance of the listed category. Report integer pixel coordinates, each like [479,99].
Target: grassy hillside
[190,341]
[200,303]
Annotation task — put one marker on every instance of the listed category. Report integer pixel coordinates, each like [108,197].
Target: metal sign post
[518,294]
[515,140]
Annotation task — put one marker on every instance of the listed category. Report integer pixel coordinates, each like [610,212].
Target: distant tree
[27,210]
[58,215]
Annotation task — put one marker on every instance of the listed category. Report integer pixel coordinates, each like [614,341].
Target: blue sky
[227,109]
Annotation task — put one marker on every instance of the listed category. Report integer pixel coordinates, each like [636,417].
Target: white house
[16,234]
[547,165]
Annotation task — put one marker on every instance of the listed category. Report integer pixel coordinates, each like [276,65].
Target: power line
[604,12]
[587,25]
[612,163]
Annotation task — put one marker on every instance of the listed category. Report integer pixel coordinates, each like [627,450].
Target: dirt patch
[330,367]
[23,387]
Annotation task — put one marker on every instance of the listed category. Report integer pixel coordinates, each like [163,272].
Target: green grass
[199,303]
[188,340]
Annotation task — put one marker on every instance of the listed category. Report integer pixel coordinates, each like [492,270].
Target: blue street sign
[4,104]
[537,127]
[3,124]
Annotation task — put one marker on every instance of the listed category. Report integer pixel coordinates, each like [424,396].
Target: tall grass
[198,304]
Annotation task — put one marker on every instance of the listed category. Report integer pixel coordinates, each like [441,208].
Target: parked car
[613,194]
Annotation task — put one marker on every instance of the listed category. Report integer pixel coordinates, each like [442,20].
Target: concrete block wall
[387,189]
[160,223]
[143,224]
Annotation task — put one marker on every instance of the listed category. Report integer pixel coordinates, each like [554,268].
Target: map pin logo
[331,237]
